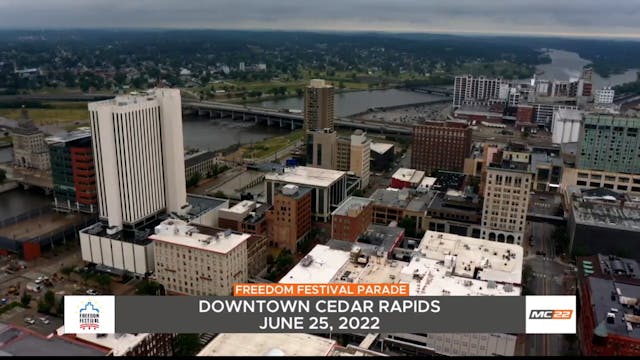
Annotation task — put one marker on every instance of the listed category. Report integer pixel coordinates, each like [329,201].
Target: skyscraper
[139,156]
[318,106]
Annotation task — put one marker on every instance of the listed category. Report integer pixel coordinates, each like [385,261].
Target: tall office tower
[354,154]
[322,149]
[360,157]
[440,146]
[609,143]
[506,200]
[139,157]
[318,106]
[469,89]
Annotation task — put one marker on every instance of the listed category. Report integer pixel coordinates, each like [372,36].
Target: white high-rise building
[139,156]
[604,96]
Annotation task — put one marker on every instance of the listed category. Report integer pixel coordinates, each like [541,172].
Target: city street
[550,276]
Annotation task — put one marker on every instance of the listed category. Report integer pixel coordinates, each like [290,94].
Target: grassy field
[57,112]
[48,116]
[270,146]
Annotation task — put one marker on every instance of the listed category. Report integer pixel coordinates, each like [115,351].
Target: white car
[39,280]
[92,292]
[29,320]
[45,320]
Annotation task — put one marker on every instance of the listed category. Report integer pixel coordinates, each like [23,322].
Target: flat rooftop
[196,158]
[569,114]
[118,343]
[381,236]
[432,272]
[412,176]
[134,98]
[82,133]
[268,345]
[380,148]
[303,175]
[352,203]
[607,298]
[201,204]
[242,207]
[324,265]
[604,210]
[180,233]
[16,341]
[391,197]
[471,257]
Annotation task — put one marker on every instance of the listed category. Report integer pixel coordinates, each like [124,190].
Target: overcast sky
[615,18]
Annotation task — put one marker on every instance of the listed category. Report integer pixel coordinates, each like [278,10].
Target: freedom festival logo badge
[89,314]
[89,317]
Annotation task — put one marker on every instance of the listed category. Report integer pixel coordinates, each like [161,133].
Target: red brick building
[289,221]
[440,146]
[351,218]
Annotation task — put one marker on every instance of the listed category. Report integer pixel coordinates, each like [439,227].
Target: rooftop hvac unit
[227,233]
[491,284]
[468,283]
[307,261]
[508,287]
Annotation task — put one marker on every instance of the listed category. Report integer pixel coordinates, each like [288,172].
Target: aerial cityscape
[173,158]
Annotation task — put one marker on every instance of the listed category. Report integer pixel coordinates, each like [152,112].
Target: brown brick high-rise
[440,146]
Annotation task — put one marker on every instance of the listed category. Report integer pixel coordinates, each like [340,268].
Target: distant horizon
[581,36]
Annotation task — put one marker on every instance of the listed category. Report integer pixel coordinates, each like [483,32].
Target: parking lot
[25,275]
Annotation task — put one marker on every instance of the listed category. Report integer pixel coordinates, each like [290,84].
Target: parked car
[4,301]
[45,320]
[29,320]
[92,292]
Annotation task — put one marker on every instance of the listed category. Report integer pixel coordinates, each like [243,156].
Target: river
[565,65]
[352,102]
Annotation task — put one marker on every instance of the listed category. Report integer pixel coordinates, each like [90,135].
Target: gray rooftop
[350,203]
[15,341]
[606,210]
[605,300]
[381,236]
[391,198]
[194,159]
[201,204]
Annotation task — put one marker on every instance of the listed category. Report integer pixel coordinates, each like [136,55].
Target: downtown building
[30,150]
[468,89]
[440,146]
[328,187]
[73,172]
[200,261]
[507,182]
[140,177]
[289,222]
[433,270]
[608,297]
[608,154]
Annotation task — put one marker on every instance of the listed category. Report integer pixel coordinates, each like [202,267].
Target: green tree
[49,298]
[104,281]
[120,78]
[194,179]
[3,176]
[186,344]
[43,307]
[25,300]
[148,287]
[60,308]
[220,194]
